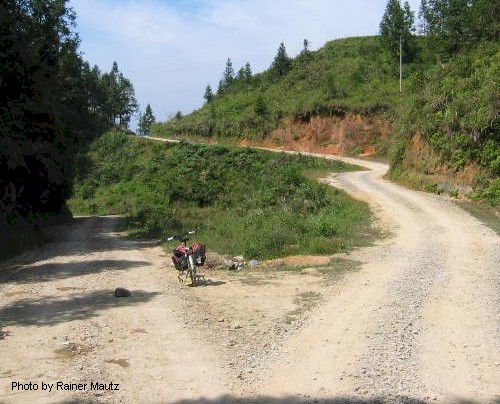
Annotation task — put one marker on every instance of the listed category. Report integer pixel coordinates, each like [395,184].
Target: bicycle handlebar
[181,237]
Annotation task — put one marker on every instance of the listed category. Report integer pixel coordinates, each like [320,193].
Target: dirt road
[64,324]
[418,322]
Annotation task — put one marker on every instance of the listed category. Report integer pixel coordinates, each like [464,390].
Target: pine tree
[397,24]
[248,72]
[228,76]
[209,95]
[221,88]
[282,63]
[305,53]
[145,121]
[120,103]
[306,46]
[240,76]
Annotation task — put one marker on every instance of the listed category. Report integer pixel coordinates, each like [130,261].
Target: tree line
[280,66]
[449,26]
[52,104]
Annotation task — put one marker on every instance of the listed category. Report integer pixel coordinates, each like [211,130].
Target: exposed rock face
[333,135]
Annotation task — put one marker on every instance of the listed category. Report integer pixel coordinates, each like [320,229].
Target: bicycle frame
[191,270]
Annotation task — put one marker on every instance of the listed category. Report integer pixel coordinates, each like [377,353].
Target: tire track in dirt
[64,324]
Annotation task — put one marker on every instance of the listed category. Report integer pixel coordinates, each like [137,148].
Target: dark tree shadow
[393,399]
[79,401]
[53,310]
[82,235]
[228,399]
[209,282]
[297,400]
[55,271]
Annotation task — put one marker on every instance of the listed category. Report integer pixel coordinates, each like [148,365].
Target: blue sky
[172,49]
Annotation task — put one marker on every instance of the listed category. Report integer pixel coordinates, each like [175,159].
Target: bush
[241,201]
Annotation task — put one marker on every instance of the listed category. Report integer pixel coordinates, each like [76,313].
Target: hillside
[442,131]
[166,189]
[355,78]
[447,131]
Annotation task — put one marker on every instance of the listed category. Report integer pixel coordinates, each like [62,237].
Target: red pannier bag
[179,258]
[199,254]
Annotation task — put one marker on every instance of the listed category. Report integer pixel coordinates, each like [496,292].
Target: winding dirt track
[419,322]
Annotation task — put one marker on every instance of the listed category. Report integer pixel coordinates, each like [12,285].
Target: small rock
[221,320]
[253,263]
[122,292]
[237,326]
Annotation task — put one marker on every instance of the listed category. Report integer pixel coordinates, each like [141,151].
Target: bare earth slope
[419,322]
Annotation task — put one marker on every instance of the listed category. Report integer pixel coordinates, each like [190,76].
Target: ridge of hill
[354,77]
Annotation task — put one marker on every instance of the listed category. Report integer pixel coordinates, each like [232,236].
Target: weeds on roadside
[240,201]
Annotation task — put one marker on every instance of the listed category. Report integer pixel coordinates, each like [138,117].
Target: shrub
[241,201]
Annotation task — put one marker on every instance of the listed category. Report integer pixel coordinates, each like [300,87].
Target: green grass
[452,106]
[356,75]
[241,201]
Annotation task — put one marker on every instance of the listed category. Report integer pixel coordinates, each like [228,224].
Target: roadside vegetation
[447,130]
[445,123]
[449,126]
[52,104]
[241,201]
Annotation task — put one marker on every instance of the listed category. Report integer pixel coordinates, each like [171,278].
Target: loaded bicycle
[186,258]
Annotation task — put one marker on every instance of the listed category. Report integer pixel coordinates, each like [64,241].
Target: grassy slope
[345,75]
[241,201]
[452,107]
